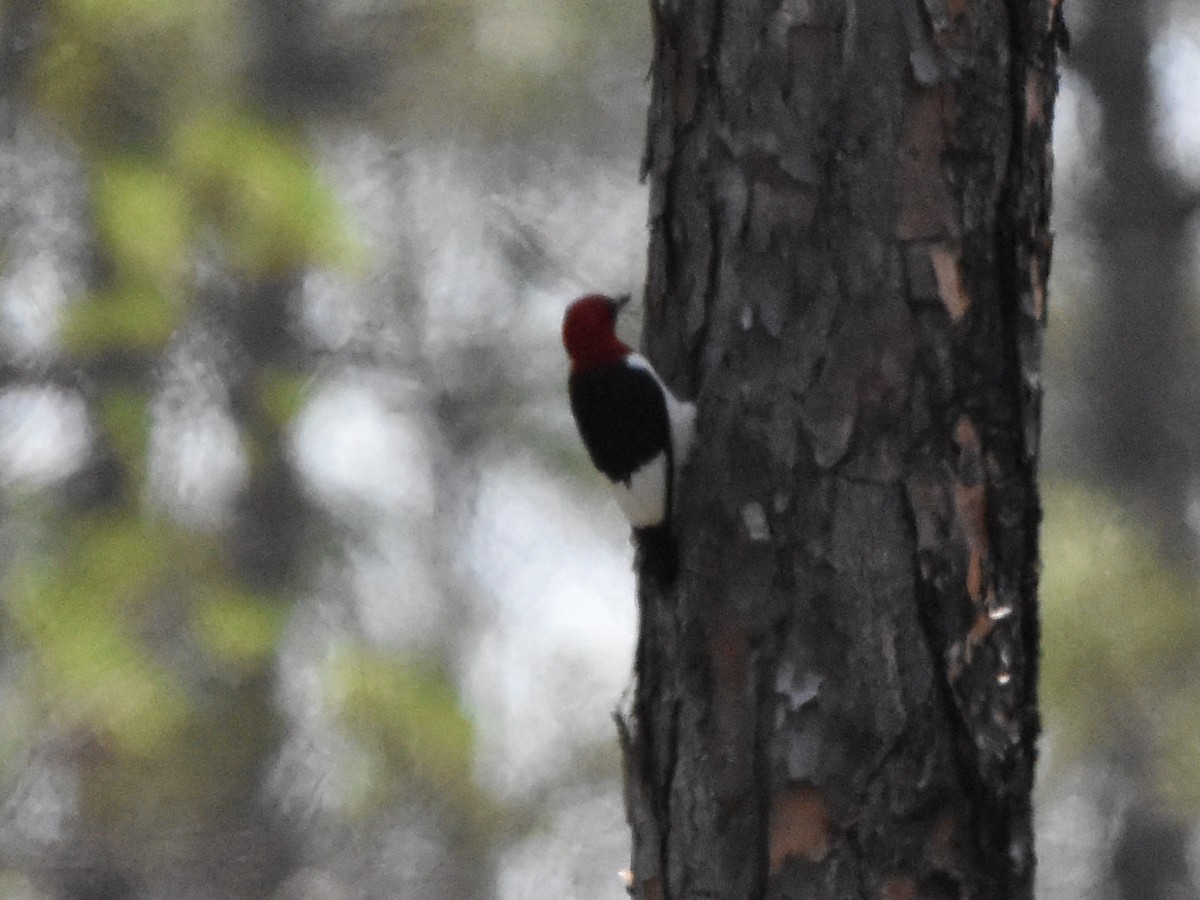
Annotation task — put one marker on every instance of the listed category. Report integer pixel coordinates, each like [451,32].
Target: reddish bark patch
[729,656]
[1035,105]
[945,849]
[948,271]
[970,500]
[926,209]
[775,205]
[900,887]
[800,826]
[1051,11]
[1038,287]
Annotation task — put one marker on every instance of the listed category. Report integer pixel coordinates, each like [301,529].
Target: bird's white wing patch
[681,413]
[643,500]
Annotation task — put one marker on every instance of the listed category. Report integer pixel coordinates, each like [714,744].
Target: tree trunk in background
[849,249]
[1142,214]
[1138,437]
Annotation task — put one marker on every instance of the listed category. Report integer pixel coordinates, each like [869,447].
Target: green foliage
[149,90]
[131,630]
[144,223]
[1120,632]
[122,319]
[15,886]
[142,216]
[116,71]
[407,719]
[18,725]
[281,394]
[80,606]
[509,67]
[125,418]
[193,782]
[240,630]
[253,182]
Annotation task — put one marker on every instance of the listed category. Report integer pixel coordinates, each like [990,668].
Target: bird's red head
[589,332]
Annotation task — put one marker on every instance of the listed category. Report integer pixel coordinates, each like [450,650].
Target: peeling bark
[849,246]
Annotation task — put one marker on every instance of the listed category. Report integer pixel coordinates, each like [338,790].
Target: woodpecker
[635,430]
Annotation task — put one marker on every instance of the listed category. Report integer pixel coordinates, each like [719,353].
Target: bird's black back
[622,418]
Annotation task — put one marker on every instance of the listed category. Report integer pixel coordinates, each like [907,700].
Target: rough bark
[849,248]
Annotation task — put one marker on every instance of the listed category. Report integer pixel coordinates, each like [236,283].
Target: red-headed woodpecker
[635,430]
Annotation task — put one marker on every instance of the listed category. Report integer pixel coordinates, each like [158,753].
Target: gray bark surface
[849,248]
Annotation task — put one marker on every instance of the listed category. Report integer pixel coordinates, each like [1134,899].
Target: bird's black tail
[657,555]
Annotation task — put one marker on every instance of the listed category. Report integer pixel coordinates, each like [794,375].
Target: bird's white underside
[643,501]
[681,413]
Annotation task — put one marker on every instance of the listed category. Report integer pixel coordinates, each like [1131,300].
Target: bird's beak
[620,302]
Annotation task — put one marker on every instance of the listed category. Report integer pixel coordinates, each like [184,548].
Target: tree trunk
[849,249]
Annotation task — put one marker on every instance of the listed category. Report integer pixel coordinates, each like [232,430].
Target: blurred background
[306,589]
